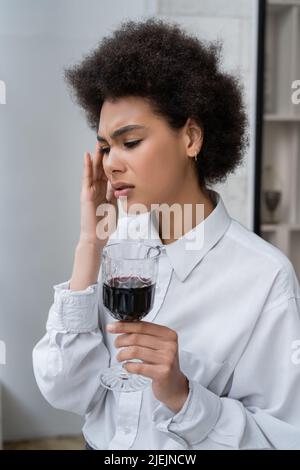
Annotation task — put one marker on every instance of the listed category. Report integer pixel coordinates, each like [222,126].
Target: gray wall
[42,140]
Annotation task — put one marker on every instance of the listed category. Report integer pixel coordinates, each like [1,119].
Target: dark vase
[272,200]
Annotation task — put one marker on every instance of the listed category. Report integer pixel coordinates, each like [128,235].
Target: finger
[87,170]
[109,191]
[132,339]
[153,371]
[144,354]
[97,163]
[142,327]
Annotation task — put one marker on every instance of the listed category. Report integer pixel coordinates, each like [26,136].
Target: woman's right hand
[96,190]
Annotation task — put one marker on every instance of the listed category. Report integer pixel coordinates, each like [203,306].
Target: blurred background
[43,136]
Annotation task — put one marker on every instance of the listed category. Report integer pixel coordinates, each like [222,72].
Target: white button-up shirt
[235,305]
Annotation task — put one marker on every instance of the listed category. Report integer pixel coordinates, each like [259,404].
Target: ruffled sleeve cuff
[74,311]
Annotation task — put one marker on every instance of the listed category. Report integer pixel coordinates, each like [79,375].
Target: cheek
[160,161]
[160,179]
[158,169]
[165,166]
[154,172]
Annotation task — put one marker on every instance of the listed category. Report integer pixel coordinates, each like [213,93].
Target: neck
[189,216]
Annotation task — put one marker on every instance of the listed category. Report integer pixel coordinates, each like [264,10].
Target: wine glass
[129,274]
[272,199]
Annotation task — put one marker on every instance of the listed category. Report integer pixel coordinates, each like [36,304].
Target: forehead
[124,111]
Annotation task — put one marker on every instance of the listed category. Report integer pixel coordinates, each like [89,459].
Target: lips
[122,192]
[121,188]
[121,185]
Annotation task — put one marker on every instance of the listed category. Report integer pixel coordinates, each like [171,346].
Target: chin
[141,205]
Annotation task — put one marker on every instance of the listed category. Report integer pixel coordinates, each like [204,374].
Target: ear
[193,137]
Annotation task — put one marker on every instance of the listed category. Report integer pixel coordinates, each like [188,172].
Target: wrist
[176,404]
[88,242]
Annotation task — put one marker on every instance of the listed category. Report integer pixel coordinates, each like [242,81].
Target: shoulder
[267,263]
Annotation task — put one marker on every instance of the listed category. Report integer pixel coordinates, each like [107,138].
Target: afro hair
[180,76]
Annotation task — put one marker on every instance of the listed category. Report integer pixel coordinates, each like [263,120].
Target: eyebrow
[120,131]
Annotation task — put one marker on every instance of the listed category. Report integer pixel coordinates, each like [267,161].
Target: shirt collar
[209,232]
[187,251]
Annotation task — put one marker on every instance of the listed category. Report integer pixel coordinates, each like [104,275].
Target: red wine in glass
[129,275]
[128,298]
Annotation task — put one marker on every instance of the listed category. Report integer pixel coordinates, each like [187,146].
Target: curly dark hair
[180,76]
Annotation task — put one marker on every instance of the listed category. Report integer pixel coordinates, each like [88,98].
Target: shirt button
[127,430]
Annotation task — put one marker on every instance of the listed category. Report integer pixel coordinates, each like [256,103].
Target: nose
[113,162]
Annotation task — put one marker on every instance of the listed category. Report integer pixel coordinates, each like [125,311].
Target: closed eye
[131,144]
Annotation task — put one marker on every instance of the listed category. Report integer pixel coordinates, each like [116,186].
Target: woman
[220,343]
